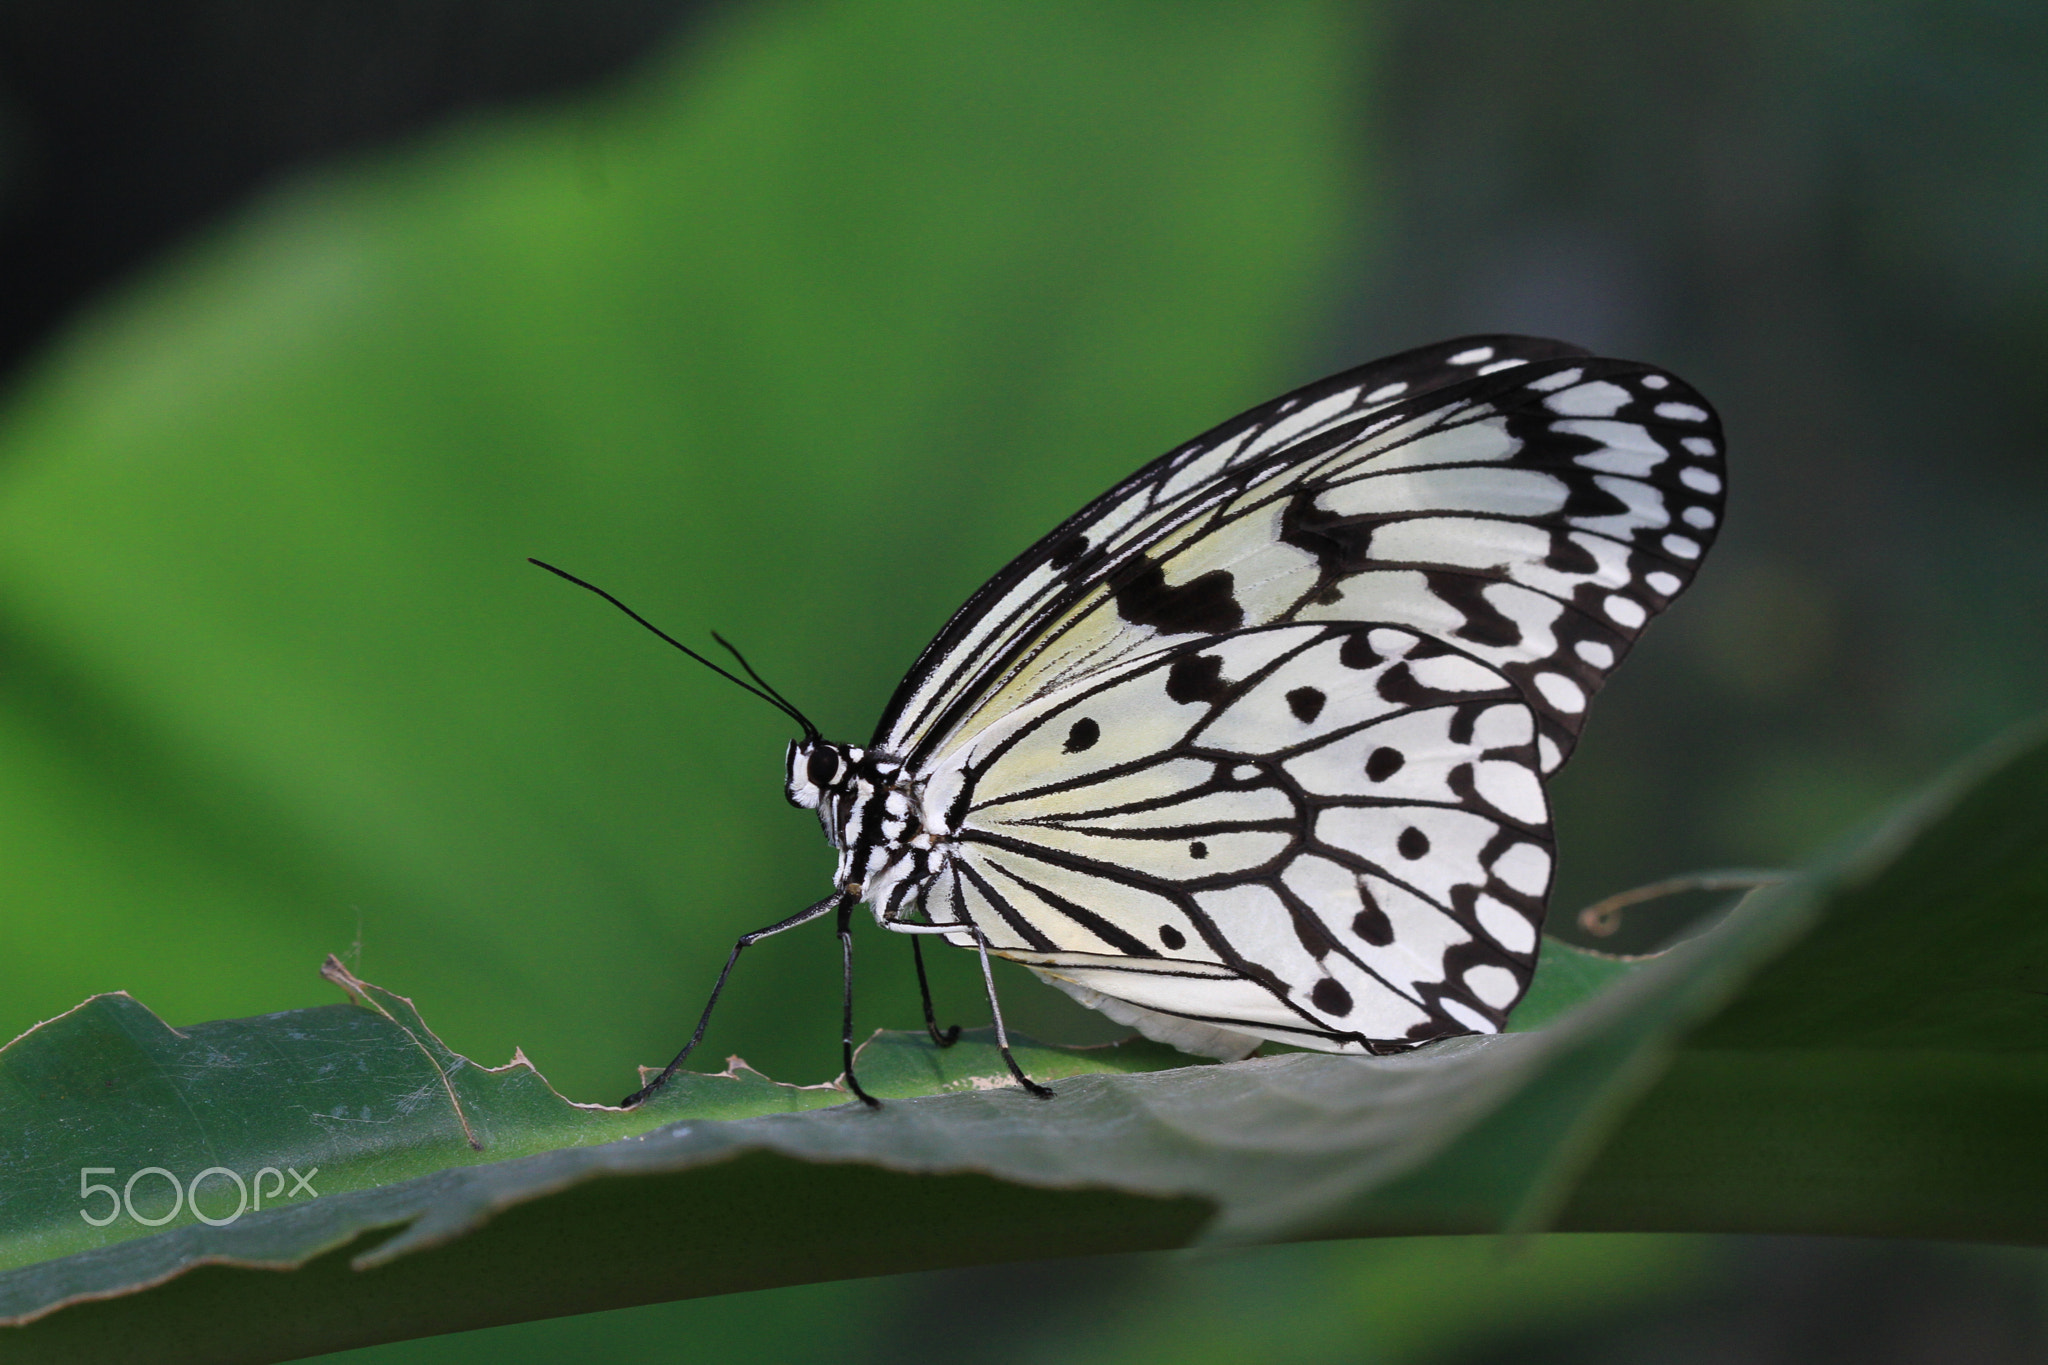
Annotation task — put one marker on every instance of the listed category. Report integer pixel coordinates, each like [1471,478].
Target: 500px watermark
[187,1194]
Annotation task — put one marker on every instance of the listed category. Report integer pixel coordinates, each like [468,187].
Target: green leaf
[1569,976]
[361,1097]
[1888,1074]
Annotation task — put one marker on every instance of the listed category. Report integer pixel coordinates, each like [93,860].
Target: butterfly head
[816,770]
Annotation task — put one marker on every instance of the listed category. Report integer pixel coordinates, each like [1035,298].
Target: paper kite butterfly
[1253,746]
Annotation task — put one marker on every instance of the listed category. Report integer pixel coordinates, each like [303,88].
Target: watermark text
[163,1197]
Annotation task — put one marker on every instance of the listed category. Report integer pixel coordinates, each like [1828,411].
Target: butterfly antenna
[769,695]
[810,730]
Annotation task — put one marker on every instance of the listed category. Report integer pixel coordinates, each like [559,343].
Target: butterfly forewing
[1539,514]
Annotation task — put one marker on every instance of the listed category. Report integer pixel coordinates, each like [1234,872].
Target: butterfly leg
[988,979]
[846,1026]
[931,1022]
[836,899]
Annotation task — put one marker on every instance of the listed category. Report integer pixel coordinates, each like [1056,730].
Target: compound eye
[822,767]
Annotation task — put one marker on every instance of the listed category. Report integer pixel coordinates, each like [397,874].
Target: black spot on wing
[1413,844]
[1196,677]
[1357,651]
[1201,606]
[1173,938]
[1383,763]
[1306,703]
[1067,550]
[1398,685]
[1371,923]
[1082,736]
[1331,998]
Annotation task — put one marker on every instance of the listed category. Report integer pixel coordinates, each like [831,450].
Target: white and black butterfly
[1252,747]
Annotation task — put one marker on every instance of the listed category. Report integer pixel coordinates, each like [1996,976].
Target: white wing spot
[1390,644]
[1625,610]
[1504,925]
[1598,399]
[1656,381]
[1561,692]
[1556,381]
[1663,583]
[1525,867]
[1700,446]
[1387,391]
[1548,755]
[1473,356]
[1494,985]
[1497,366]
[1682,412]
[1503,727]
[1685,547]
[1509,492]
[1595,653]
[1453,673]
[1702,517]
[1700,480]
[1244,772]
[1511,789]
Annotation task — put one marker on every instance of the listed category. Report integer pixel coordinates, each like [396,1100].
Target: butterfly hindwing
[1316,833]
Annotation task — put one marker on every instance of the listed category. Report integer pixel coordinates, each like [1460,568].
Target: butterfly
[1252,747]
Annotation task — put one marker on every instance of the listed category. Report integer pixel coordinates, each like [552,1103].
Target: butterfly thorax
[868,809]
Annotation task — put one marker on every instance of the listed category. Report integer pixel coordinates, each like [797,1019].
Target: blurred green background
[797,320]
